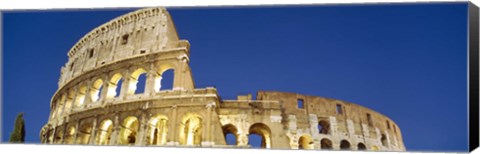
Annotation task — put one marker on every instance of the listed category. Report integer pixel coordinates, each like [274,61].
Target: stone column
[72,106]
[132,85]
[103,93]
[63,102]
[64,132]
[88,96]
[211,106]
[53,134]
[141,131]
[125,84]
[242,139]
[115,131]
[182,75]
[76,132]
[389,144]
[173,126]
[150,83]
[94,132]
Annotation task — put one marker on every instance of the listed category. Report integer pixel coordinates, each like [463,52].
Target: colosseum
[91,107]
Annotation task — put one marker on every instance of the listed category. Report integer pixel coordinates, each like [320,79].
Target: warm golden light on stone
[98,103]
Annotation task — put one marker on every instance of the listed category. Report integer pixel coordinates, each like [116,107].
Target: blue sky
[406,61]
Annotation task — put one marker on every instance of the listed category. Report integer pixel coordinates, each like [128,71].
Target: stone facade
[92,107]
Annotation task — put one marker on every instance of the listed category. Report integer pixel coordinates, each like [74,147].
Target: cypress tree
[18,135]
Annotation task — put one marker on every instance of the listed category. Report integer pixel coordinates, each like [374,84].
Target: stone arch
[50,136]
[132,89]
[60,105]
[191,129]
[128,132]
[229,130]
[104,132]
[164,71]
[305,142]
[323,127]
[361,146]
[70,134]
[157,130]
[69,101]
[383,139]
[80,98]
[344,145]
[83,135]
[264,131]
[58,136]
[96,90]
[326,144]
[114,88]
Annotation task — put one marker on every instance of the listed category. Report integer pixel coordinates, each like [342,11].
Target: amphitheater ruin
[98,102]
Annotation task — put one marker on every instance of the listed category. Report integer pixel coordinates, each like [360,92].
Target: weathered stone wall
[92,107]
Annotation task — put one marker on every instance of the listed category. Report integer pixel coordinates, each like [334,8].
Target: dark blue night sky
[406,61]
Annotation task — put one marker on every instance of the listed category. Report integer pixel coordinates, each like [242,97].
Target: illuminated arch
[264,131]
[191,130]
[132,88]
[80,98]
[70,134]
[159,80]
[128,132]
[69,101]
[305,142]
[104,132]
[96,90]
[157,130]
[60,105]
[58,136]
[84,133]
[229,130]
[114,86]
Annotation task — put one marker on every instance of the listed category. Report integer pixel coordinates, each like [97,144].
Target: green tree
[18,135]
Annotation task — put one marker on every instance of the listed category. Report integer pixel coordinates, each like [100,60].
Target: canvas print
[359,77]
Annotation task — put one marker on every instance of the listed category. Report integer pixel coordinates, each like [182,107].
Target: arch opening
[79,101]
[69,102]
[344,145]
[58,136]
[165,80]
[134,87]
[104,132]
[383,139]
[157,130]
[263,131]
[115,86]
[190,130]
[83,136]
[96,90]
[141,82]
[230,133]
[326,144]
[305,142]
[323,127]
[128,132]
[361,146]
[60,106]
[69,135]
